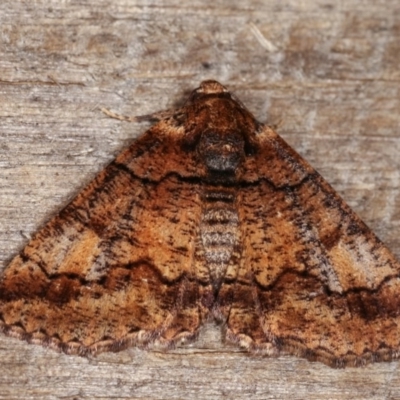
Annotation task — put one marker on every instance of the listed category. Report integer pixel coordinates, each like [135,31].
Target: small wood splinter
[208,215]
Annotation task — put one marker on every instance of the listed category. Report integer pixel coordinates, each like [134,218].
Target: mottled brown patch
[209,214]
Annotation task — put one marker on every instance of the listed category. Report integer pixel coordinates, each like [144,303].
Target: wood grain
[325,73]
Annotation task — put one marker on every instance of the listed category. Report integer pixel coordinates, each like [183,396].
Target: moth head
[209,88]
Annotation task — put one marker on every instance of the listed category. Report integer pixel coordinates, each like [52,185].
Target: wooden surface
[326,72]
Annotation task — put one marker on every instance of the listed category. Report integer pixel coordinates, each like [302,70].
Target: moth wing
[113,267]
[314,280]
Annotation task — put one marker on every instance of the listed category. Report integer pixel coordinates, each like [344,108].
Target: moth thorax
[221,151]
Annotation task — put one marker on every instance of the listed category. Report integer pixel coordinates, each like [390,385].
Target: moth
[209,215]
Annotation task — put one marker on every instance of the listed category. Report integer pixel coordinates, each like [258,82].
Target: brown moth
[208,215]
